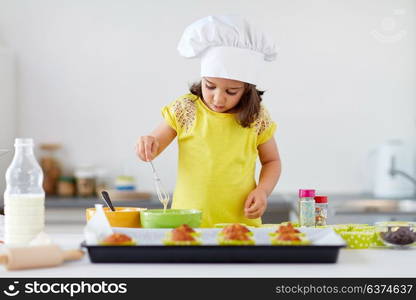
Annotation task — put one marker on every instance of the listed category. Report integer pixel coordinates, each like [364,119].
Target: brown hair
[247,109]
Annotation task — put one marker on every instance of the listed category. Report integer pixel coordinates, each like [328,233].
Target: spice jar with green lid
[66,186]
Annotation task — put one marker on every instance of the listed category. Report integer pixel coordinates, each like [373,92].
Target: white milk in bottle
[24,198]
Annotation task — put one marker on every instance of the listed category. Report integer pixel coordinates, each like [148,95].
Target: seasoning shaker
[85,182]
[66,186]
[306,208]
[321,210]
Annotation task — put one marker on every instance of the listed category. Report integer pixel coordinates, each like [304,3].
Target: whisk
[161,193]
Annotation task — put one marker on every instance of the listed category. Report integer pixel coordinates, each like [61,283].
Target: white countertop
[351,263]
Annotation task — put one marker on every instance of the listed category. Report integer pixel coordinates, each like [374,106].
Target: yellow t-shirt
[217,159]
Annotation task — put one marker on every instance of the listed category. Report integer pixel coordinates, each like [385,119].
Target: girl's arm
[270,166]
[150,146]
[256,202]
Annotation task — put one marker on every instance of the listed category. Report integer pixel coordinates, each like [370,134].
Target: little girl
[221,126]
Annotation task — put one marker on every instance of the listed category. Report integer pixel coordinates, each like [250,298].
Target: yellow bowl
[122,217]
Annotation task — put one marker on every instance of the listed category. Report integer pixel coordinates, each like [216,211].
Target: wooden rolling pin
[37,257]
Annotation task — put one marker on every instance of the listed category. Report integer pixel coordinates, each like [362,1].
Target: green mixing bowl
[171,218]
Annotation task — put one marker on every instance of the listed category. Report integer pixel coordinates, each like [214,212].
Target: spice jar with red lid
[321,210]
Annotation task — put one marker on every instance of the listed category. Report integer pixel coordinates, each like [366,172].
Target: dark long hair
[247,109]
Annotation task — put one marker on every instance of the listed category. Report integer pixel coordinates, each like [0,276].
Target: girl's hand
[147,147]
[256,204]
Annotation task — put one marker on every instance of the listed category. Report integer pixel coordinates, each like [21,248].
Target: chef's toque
[229,47]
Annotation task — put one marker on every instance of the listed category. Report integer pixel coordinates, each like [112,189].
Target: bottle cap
[321,199]
[306,193]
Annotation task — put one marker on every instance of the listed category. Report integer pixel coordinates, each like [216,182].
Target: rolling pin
[37,257]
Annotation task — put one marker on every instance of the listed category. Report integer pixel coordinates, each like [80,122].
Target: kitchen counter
[343,208]
[275,201]
[342,203]
[351,263]
[72,210]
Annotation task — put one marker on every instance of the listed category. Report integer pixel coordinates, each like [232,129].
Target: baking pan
[324,249]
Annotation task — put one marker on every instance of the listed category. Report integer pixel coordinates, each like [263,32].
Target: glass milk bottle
[24,197]
[307,208]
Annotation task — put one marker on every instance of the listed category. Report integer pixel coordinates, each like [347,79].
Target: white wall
[7,109]
[93,75]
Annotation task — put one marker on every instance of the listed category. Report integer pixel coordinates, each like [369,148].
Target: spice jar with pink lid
[306,208]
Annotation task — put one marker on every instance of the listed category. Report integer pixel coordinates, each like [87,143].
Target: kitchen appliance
[393,170]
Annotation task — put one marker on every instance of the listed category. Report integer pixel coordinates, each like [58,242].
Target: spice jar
[51,168]
[66,186]
[321,210]
[125,183]
[307,208]
[85,181]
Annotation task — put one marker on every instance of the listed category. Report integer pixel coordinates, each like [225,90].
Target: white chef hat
[229,47]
